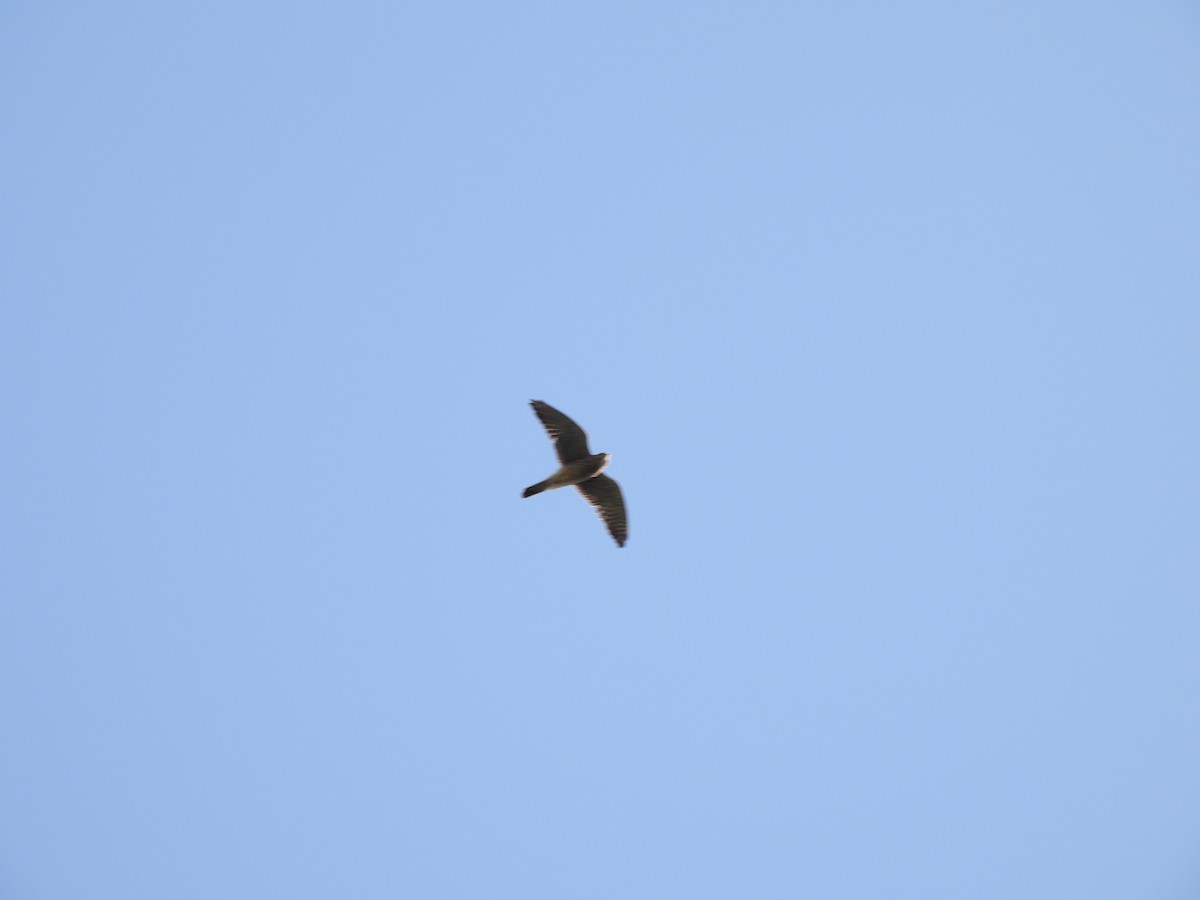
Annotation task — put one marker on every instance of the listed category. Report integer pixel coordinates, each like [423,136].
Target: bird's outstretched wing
[569,439]
[605,494]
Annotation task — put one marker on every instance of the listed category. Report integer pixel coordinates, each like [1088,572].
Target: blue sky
[888,314]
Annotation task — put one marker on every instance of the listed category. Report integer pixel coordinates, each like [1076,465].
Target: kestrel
[581,468]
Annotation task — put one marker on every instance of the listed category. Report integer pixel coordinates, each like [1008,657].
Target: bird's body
[572,473]
[581,469]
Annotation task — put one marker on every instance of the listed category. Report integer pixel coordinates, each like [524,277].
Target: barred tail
[537,488]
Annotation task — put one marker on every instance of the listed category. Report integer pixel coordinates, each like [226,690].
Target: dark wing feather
[605,494]
[569,439]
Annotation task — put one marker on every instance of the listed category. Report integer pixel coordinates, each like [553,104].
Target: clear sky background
[889,314]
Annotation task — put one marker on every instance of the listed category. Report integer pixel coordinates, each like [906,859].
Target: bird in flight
[583,469]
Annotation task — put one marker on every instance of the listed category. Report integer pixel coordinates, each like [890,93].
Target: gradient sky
[889,314]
